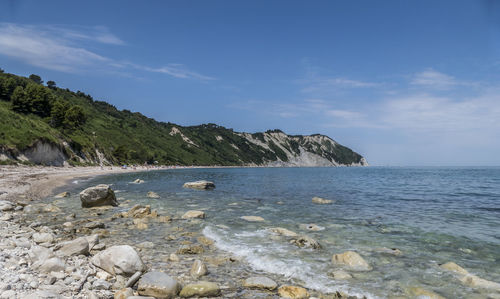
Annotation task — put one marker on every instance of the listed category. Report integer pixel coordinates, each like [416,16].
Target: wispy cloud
[432,78]
[177,71]
[63,49]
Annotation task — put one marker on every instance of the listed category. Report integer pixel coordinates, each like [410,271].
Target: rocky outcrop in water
[351,260]
[100,195]
[200,185]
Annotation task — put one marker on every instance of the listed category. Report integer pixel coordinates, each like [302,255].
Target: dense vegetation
[32,112]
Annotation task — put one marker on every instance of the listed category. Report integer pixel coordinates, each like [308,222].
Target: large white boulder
[100,195]
[119,260]
[351,260]
[201,185]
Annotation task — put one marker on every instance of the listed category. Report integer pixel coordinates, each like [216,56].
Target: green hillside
[82,127]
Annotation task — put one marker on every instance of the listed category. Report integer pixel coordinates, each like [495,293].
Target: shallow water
[433,215]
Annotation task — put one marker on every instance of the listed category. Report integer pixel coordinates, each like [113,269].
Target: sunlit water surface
[433,215]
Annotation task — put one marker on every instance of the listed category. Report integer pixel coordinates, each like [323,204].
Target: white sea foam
[263,257]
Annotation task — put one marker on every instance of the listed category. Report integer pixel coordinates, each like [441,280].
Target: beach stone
[133,279]
[75,247]
[260,282]
[321,201]
[451,266]
[100,195]
[200,289]
[340,275]
[174,257]
[252,218]
[200,185]
[94,225]
[51,208]
[312,227]
[100,284]
[40,254]
[283,232]
[158,285]
[293,292]
[193,214]
[62,195]
[190,249]
[53,264]
[119,260]
[198,269]
[205,241]
[306,241]
[93,240]
[6,206]
[423,293]
[352,260]
[43,238]
[152,194]
[8,294]
[124,293]
[43,295]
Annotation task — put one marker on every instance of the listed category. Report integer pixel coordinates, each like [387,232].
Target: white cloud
[433,79]
[60,48]
[36,48]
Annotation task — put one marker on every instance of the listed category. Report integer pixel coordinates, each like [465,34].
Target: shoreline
[32,265]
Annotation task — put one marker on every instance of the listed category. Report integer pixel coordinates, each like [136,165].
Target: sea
[431,215]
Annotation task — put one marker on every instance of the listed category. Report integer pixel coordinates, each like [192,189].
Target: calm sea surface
[433,215]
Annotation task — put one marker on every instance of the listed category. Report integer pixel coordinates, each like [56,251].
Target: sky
[400,82]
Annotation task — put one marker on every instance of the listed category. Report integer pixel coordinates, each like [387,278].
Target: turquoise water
[433,215]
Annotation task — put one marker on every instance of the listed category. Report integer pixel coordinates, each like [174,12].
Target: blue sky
[401,82]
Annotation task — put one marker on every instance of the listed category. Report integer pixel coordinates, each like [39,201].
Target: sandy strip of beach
[19,183]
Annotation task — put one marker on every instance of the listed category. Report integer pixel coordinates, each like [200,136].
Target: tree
[58,113]
[74,117]
[41,99]
[51,84]
[35,78]
[7,86]
[121,154]
[1,71]
[19,100]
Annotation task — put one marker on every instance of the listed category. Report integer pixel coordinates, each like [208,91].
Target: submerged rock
[119,260]
[152,194]
[311,227]
[423,293]
[283,231]
[198,269]
[62,195]
[100,195]
[200,289]
[193,214]
[139,211]
[293,292]
[306,241]
[190,249]
[252,218]
[158,285]
[340,275]
[321,201]
[451,266]
[470,280]
[200,185]
[138,181]
[260,282]
[352,260]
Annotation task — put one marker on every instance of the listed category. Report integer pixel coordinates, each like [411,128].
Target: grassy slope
[144,139]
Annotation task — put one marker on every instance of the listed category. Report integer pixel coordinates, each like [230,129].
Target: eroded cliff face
[305,151]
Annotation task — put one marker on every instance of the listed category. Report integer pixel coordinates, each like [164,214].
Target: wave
[264,258]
